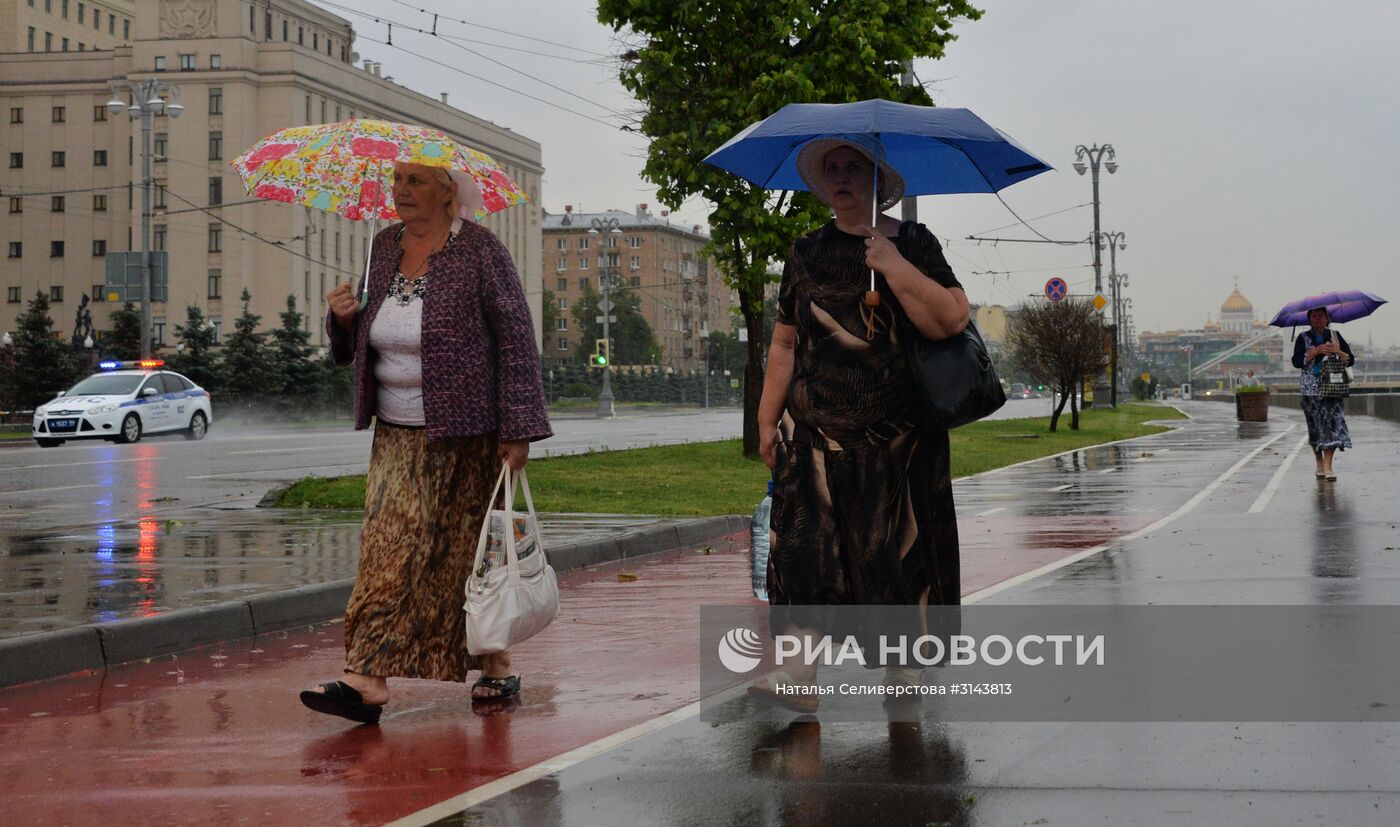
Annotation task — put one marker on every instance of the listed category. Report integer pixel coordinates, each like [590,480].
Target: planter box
[1252,406]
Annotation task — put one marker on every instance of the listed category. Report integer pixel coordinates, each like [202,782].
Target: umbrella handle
[369,256]
[874,213]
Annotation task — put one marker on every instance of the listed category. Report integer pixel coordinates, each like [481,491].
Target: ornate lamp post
[146,103]
[1114,242]
[1091,159]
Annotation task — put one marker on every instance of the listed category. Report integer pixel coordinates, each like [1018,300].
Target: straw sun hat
[813,154]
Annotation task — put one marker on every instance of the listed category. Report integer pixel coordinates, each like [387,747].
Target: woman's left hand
[516,453]
[880,252]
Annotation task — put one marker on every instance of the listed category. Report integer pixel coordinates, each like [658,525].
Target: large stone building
[682,295]
[243,69]
[1237,324]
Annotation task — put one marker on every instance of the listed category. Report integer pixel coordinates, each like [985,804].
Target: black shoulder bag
[955,380]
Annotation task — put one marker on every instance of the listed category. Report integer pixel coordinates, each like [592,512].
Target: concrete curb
[99,645]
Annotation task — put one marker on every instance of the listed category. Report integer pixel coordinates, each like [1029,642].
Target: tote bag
[1335,380]
[512,592]
[955,379]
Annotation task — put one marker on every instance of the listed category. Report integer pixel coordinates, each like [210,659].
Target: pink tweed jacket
[481,363]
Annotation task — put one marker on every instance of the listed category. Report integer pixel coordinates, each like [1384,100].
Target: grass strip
[710,478]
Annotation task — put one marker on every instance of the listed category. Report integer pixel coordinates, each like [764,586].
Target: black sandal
[340,698]
[506,688]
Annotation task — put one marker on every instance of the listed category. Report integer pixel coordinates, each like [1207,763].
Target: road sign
[1056,289]
[1147,377]
[733,383]
[599,320]
[1099,301]
[604,305]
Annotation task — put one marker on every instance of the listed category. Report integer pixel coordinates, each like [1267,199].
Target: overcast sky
[1256,138]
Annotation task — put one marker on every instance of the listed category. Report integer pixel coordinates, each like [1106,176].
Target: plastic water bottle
[758,544]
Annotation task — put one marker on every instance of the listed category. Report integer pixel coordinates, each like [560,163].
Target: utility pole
[146,102]
[606,228]
[1096,157]
[909,205]
[1115,242]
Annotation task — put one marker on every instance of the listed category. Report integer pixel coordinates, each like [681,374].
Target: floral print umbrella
[347,167]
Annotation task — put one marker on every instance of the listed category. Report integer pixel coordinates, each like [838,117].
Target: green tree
[124,341]
[1060,344]
[703,71]
[632,339]
[549,319]
[248,375]
[298,376]
[43,364]
[195,356]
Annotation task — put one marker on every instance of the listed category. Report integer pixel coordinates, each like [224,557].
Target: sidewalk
[217,735]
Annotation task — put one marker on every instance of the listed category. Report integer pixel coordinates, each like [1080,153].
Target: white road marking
[989,512]
[295,450]
[42,490]
[76,464]
[1061,487]
[252,471]
[1277,479]
[1108,470]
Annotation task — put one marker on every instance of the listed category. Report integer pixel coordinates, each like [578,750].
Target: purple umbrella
[1346,306]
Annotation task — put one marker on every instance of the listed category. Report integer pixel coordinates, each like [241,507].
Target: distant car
[1018,391]
[123,402]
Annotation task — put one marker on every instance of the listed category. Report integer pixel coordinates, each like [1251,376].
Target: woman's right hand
[768,444]
[343,305]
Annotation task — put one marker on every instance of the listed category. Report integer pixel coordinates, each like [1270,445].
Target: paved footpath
[1214,512]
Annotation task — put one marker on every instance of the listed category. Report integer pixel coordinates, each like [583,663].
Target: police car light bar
[143,363]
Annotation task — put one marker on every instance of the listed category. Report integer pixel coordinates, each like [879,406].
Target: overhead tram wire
[278,244]
[500,31]
[1036,218]
[433,34]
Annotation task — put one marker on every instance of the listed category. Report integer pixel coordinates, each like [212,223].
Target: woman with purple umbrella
[1327,423]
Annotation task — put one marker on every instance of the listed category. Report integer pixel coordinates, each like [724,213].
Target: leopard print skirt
[424,506]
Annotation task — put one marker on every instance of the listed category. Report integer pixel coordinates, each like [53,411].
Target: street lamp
[611,226]
[146,102]
[1114,242]
[1095,156]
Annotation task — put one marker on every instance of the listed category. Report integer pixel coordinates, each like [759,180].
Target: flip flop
[506,688]
[340,698]
[797,702]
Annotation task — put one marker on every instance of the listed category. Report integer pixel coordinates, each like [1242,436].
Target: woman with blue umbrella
[863,501]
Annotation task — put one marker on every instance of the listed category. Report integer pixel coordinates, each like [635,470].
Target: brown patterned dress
[863,498]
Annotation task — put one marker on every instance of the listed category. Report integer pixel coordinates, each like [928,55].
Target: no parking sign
[1056,289]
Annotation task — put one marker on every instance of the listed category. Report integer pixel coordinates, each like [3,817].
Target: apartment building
[682,295]
[242,69]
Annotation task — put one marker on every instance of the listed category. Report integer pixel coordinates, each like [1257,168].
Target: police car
[123,402]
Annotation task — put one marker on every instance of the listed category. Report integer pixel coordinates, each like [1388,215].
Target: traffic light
[600,353]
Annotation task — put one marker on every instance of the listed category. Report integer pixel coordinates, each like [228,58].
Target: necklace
[404,290]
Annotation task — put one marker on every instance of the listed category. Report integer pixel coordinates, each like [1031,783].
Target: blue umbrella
[938,151]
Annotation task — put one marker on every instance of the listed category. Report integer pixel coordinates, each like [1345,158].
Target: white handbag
[509,599]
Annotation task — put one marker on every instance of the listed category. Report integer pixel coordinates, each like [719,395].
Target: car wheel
[49,443]
[131,429]
[199,426]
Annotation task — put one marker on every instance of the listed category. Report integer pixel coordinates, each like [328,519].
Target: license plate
[63,424]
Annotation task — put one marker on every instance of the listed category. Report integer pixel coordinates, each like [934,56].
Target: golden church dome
[1237,303]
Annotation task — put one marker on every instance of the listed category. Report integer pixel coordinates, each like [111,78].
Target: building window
[60,159]
[216,238]
[323,110]
[158,237]
[160,63]
[99,157]
[187,63]
[16,251]
[60,113]
[16,204]
[99,203]
[126,29]
[159,200]
[82,11]
[56,293]
[16,114]
[216,190]
[635,263]
[216,278]
[99,247]
[218,325]
[12,295]
[337,246]
[48,41]
[65,9]
[561,265]
[32,33]
[216,62]
[111,24]
[253,19]
[16,160]
[563,243]
[308,109]
[99,292]
[301,36]
[636,281]
[562,343]
[635,242]
[583,243]
[216,101]
[583,283]
[216,146]
[96,21]
[562,285]
[99,114]
[561,325]
[158,332]
[55,249]
[583,262]
[284,30]
[56,203]
[561,304]
[82,47]
[161,145]
[315,40]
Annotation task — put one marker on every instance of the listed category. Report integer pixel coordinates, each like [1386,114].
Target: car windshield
[107,384]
